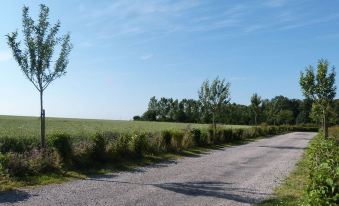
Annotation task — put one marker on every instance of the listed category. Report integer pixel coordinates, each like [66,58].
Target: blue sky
[127,51]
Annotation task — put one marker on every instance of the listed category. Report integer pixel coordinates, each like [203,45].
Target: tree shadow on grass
[14,196]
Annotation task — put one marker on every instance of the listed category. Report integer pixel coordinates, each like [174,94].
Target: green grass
[17,126]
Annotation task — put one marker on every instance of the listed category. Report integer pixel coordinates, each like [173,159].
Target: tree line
[276,111]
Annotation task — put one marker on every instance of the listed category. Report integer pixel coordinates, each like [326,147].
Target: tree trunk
[42,121]
[325,126]
[255,119]
[214,126]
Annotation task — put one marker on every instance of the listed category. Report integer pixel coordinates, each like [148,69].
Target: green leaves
[40,39]
[320,88]
[213,95]
[323,163]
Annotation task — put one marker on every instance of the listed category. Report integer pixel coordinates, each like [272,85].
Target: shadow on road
[14,196]
[223,190]
[213,189]
[284,147]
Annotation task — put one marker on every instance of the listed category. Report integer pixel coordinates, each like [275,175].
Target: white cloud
[5,55]
[146,57]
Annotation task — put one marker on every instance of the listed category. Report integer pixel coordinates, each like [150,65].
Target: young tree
[255,106]
[213,96]
[35,59]
[320,88]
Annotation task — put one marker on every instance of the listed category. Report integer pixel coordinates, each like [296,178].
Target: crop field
[21,127]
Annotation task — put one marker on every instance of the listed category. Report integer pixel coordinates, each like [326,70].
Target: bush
[82,155]
[227,135]
[29,163]
[237,134]
[177,141]
[155,143]
[98,151]
[63,145]
[122,147]
[140,144]
[323,162]
[197,137]
[167,139]
[17,144]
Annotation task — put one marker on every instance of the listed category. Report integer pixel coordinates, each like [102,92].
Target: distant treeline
[276,111]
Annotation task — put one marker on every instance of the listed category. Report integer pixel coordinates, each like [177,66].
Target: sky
[126,51]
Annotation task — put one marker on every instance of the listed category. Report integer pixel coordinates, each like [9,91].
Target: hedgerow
[18,158]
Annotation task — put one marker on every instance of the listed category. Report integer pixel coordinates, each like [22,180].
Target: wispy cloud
[146,57]
[275,3]
[5,55]
[310,22]
[150,20]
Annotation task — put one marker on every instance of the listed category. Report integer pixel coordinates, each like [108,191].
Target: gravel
[237,175]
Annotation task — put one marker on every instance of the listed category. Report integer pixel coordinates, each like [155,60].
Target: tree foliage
[320,87]
[255,106]
[40,40]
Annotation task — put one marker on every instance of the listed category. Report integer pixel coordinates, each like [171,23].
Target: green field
[17,126]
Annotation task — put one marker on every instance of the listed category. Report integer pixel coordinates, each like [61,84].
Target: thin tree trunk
[255,119]
[42,121]
[325,126]
[214,126]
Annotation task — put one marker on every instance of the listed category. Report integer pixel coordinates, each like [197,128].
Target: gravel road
[238,175]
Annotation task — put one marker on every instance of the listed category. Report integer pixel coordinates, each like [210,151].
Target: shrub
[237,134]
[63,145]
[197,137]
[323,162]
[17,144]
[227,135]
[155,143]
[167,139]
[177,141]
[140,144]
[121,148]
[82,155]
[29,163]
[98,151]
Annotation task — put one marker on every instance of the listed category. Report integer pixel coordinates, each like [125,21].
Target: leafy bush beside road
[323,163]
